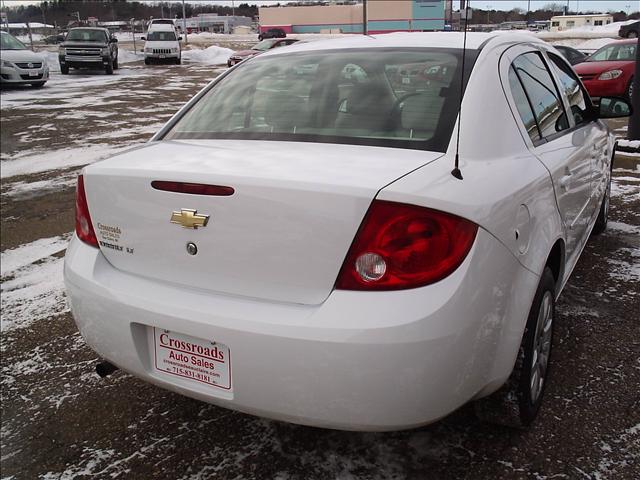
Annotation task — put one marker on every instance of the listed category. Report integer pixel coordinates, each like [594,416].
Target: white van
[162,43]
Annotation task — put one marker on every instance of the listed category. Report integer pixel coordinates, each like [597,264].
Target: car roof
[474,41]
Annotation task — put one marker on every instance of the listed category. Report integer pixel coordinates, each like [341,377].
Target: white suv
[162,43]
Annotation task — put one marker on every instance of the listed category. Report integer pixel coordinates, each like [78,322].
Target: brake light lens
[84,227]
[400,246]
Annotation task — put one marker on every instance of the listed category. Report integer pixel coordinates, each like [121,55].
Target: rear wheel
[260,37]
[632,34]
[517,403]
[601,222]
[64,69]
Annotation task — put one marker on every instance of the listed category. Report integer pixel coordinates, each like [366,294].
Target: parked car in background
[574,56]
[54,39]
[630,30]
[161,44]
[259,48]
[272,33]
[89,47]
[21,66]
[609,71]
[296,243]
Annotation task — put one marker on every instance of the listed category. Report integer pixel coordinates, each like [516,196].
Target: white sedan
[319,236]
[21,66]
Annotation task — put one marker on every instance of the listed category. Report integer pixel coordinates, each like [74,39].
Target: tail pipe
[105,368]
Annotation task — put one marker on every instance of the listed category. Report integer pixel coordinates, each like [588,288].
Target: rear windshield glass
[264,45]
[161,36]
[406,98]
[87,36]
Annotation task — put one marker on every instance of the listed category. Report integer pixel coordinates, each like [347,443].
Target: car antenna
[456,169]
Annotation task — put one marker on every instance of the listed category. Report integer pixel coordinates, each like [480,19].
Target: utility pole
[184,24]
[365,21]
[633,133]
[133,33]
[30,37]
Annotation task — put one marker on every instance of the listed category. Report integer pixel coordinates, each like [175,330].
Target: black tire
[260,38]
[115,64]
[109,68]
[64,69]
[38,84]
[632,34]
[601,222]
[178,61]
[630,90]
[515,404]
[147,61]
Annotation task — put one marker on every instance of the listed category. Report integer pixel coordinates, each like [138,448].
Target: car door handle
[565,181]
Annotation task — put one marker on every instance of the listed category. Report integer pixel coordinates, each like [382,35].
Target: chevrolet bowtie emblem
[189,218]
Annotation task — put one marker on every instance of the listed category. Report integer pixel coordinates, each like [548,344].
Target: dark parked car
[630,30]
[86,47]
[54,39]
[272,33]
[571,54]
[257,49]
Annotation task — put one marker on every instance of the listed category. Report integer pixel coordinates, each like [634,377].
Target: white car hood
[21,56]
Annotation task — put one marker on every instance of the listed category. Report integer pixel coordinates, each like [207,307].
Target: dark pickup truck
[85,47]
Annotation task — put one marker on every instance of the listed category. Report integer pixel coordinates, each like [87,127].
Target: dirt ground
[61,421]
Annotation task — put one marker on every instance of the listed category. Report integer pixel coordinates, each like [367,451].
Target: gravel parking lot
[61,421]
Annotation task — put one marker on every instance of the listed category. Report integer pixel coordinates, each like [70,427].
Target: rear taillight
[402,246]
[84,227]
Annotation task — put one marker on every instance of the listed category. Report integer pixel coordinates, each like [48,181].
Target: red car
[259,48]
[609,71]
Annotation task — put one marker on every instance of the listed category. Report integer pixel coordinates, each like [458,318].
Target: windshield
[87,36]
[264,45]
[610,53]
[406,98]
[9,42]
[161,36]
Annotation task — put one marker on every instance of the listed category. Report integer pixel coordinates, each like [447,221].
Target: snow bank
[634,144]
[35,289]
[211,56]
[588,46]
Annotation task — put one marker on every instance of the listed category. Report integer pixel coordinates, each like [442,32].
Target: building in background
[383,16]
[214,23]
[567,22]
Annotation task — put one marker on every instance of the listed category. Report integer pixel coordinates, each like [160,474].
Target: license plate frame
[33,73]
[196,360]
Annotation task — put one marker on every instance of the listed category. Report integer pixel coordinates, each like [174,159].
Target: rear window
[405,98]
[615,52]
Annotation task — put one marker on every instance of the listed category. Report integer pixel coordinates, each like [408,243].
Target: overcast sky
[596,5]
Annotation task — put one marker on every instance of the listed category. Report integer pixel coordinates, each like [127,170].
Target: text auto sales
[179,348]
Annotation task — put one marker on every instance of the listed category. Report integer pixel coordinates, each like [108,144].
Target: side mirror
[613,107]
[179,38]
[142,38]
[113,40]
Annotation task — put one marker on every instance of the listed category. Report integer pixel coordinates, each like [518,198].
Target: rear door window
[579,102]
[542,93]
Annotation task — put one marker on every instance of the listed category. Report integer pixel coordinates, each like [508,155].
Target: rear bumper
[359,361]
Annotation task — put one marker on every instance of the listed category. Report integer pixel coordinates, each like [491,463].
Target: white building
[567,22]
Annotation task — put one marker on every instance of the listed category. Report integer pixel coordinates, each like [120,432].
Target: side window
[523,106]
[578,102]
[542,93]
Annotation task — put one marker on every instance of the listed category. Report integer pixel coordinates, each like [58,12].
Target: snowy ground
[60,421]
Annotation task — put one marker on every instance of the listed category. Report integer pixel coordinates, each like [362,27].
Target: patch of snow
[629,143]
[601,31]
[29,163]
[211,56]
[623,227]
[19,257]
